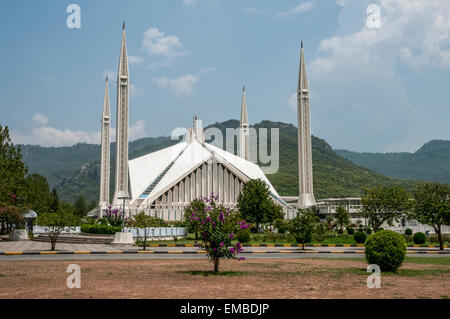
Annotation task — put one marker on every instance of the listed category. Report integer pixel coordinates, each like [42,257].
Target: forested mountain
[429,163]
[74,170]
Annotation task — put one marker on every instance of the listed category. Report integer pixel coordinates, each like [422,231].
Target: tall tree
[303,225]
[256,205]
[384,204]
[12,168]
[342,217]
[81,208]
[54,206]
[38,193]
[432,207]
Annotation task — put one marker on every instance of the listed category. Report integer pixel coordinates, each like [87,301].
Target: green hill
[74,171]
[429,163]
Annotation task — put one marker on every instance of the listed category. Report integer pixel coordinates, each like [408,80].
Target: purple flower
[221,244]
[214,248]
[241,258]
[232,250]
[214,223]
[221,217]
[231,236]
[208,219]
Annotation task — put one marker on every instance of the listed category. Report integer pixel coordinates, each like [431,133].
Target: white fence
[38,230]
[159,232]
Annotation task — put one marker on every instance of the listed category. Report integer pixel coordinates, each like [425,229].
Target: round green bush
[243,236]
[369,231]
[408,231]
[350,230]
[419,238]
[360,237]
[386,249]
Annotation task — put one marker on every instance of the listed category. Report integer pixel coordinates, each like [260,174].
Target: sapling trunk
[216,264]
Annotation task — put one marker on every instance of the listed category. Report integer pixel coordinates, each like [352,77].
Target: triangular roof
[174,163]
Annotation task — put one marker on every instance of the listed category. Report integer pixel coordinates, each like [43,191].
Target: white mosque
[164,182]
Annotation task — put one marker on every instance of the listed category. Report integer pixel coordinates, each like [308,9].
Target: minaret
[121,185]
[243,130]
[105,157]
[305,178]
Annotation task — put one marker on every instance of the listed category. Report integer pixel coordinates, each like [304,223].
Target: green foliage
[408,232]
[255,204]
[350,230]
[197,207]
[54,206]
[419,238]
[386,249]
[81,208]
[342,217]
[100,229]
[12,168]
[244,236]
[369,230]
[54,223]
[432,207]
[429,163]
[38,193]
[303,226]
[384,204]
[11,216]
[360,237]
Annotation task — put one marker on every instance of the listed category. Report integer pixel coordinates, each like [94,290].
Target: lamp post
[123,195]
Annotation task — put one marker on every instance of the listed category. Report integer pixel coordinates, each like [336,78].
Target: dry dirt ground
[255,278]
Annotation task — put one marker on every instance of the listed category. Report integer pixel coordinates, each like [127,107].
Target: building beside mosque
[164,182]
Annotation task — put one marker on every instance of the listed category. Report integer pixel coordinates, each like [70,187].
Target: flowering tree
[114,217]
[193,214]
[218,227]
[142,221]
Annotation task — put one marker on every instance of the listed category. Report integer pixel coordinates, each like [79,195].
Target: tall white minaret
[305,178]
[121,186]
[105,157]
[243,130]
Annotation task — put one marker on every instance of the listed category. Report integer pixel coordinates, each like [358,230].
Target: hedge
[100,229]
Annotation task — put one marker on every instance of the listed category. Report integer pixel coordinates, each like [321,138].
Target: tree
[54,224]
[196,207]
[38,193]
[342,217]
[256,205]
[54,206]
[12,168]
[218,228]
[432,207]
[384,204]
[303,225]
[142,220]
[81,207]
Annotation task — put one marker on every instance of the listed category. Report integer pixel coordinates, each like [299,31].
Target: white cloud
[132,59]
[359,72]
[39,118]
[305,6]
[156,43]
[184,84]
[50,136]
[189,3]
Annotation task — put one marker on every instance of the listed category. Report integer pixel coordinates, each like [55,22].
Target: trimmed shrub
[408,231]
[100,229]
[369,231]
[350,231]
[386,249]
[244,236]
[419,238]
[360,237]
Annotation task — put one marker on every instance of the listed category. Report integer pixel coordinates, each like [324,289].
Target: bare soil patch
[254,278]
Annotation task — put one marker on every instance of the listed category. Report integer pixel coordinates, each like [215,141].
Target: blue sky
[372,89]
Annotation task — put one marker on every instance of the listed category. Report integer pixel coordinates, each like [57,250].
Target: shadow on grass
[212,273]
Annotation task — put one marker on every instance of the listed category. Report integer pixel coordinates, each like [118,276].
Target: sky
[378,83]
